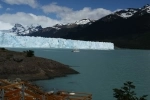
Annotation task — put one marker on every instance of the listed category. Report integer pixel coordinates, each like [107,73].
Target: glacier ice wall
[13,41]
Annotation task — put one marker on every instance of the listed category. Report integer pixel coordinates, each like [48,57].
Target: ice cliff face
[11,40]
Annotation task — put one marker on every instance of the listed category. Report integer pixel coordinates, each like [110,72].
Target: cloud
[54,8]
[5,26]
[68,15]
[31,3]
[25,19]
[88,13]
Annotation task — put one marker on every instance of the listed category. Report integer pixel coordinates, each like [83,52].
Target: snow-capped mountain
[19,29]
[82,22]
[127,13]
[60,30]
[133,11]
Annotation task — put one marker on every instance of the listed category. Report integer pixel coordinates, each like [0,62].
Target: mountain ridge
[124,28]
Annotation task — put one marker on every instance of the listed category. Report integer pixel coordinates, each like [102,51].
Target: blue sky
[51,12]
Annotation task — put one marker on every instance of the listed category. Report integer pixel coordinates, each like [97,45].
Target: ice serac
[11,40]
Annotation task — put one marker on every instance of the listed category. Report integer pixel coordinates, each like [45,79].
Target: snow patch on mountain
[83,21]
[126,13]
[9,40]
[147,7]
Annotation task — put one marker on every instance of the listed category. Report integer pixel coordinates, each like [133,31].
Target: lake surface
[100,71]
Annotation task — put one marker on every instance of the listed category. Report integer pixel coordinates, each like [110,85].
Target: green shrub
[29,53]
[126,92]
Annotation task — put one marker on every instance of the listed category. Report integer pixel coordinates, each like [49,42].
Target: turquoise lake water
[100,71]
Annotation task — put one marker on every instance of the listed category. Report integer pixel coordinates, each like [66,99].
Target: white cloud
[8,20]
[5,26]
[68,15]
[54,8]
[32,3]
[88,13]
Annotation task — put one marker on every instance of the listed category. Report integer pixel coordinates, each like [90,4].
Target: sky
[50,12]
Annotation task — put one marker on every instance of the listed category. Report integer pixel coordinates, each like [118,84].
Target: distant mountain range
[63,30]
[25,30]
[21,30]
[127,28]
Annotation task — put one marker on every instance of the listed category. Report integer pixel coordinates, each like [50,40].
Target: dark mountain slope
[123,32]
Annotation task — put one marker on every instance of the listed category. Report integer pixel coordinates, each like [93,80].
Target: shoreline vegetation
[26,66]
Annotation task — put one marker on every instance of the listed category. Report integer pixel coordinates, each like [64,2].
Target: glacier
[13,41]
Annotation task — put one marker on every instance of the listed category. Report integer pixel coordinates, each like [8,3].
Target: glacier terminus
[13,41]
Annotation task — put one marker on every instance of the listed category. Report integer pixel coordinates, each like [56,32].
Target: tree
[29,53]
[127,93]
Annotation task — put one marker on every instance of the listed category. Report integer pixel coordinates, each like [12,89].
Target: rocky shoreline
[18,65]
